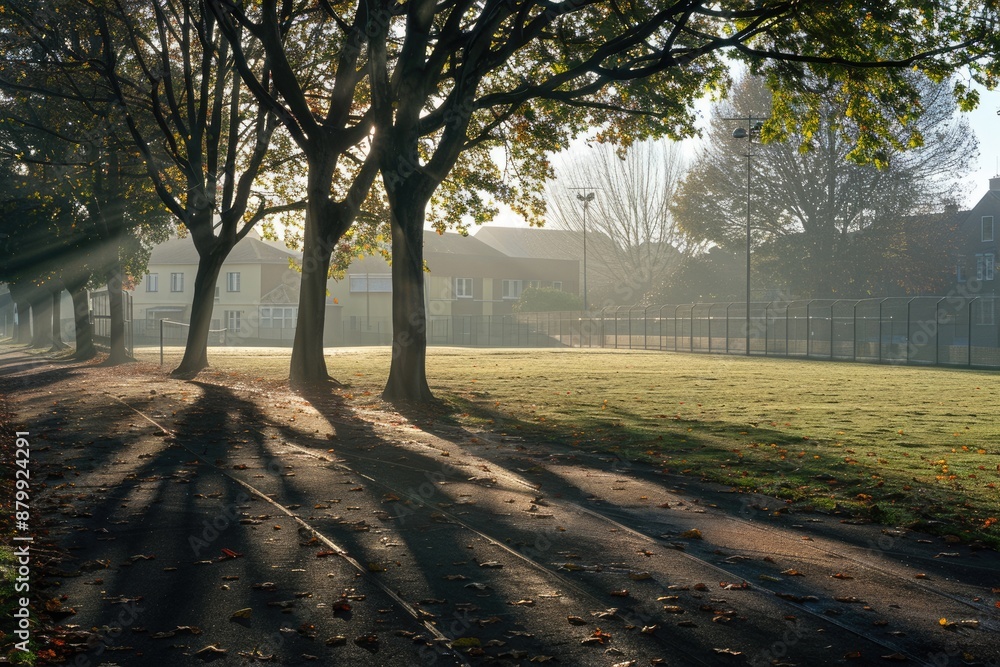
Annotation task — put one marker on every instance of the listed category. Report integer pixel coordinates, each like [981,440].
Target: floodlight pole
[753,127]
[586,199]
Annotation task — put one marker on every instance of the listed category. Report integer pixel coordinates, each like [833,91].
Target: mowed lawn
[901,445]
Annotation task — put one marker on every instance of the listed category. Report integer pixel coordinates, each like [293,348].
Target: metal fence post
[969,339]
[937,333]
[728,306]
[880,330]
[691,332]
[854,335]
[831,325]
[787,306]
[161,342]
[808,330]
[767,328]
[908,339]
[675,326]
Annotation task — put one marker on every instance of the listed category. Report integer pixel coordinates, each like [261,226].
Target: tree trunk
[81,316]
[57,341]
[308,365]
[407,374]
[202,304]
[23,335]
[116,306]
[22,332]
[41,318]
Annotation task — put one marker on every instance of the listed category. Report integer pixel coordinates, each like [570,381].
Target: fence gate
[100,319]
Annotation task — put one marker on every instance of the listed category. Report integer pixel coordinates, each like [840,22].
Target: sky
[984,121]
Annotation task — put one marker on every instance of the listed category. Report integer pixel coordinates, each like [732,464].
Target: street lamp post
[586,199]
[752,129]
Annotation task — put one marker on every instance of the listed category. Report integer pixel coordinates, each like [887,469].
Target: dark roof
[535,243]
[451,243]
[250,250]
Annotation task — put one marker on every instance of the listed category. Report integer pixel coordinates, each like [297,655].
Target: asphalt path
[233,522]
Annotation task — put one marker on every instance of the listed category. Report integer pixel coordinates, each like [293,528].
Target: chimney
[995,184]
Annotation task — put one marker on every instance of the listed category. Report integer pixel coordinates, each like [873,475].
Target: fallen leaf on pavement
[575,620]
[693,534]
[466,642]
[242,613]
[210,652]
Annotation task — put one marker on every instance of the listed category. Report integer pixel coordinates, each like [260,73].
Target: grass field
[902,445]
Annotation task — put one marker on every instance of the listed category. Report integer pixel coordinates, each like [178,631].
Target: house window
[986,311]
[176,282]
[371,282]
[463,288]
[233,319]
[233,281]
[959,273]
[987,228]
[984,266]
[152,282]
[512,289]
[557,284]
[274,317]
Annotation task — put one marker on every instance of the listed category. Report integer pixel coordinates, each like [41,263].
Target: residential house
[975,263]
[256,298]
[467,280]
[603,273]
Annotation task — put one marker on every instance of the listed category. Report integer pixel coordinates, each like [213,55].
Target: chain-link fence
[920,330]
[952,330]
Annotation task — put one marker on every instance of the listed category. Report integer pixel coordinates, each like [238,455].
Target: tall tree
[640,244]
[205,140]
[815,216]
[315,61]
[527,77]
